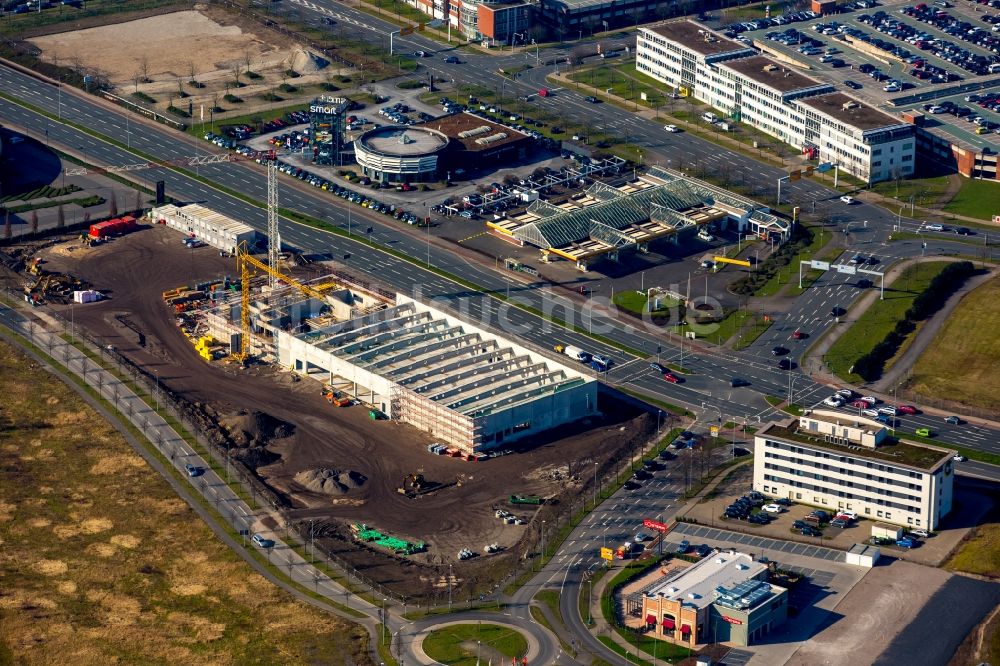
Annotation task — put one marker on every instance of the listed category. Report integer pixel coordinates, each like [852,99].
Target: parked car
[920,533]
[772,508]
[640,537]
[682,547]
[906,543]
[702,550]
[810,531]
[838,522]
[783,501]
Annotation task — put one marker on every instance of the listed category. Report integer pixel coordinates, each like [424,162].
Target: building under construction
[462,384]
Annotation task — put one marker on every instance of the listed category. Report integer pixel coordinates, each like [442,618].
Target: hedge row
[871,365]
[801,238]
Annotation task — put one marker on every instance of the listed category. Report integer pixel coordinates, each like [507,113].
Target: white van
[709,117]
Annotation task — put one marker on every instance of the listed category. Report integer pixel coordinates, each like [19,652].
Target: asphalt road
[708,389]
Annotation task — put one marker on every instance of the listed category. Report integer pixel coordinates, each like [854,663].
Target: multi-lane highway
[708,389]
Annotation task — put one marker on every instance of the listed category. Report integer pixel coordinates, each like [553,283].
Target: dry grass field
[969,334]
[101,563]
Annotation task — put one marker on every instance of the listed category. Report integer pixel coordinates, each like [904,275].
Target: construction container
[87,296]
[526,499]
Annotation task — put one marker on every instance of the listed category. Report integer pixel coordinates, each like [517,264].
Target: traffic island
[469,644]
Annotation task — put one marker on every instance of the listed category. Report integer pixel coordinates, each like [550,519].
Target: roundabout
[479,638]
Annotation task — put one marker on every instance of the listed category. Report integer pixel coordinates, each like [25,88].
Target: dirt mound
[251,429]
[305,62]
[330,481]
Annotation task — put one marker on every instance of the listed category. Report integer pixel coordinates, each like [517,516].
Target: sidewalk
[699,130]
[601,627]
[812,361]
[231,514]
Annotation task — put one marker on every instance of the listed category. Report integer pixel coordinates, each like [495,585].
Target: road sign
[824,167]
[843,268]
[820,265]
[607,554]
[714,430]
[655,525]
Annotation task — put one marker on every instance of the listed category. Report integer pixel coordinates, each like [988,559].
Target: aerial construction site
[423,449]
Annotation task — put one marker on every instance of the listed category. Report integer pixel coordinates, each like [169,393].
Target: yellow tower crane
[245,261]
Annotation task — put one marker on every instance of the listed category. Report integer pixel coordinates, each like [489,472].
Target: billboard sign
[655,525]
[607,554]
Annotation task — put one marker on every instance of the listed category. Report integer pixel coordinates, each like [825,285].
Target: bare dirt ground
[872,614]
[136,269]
[164,52]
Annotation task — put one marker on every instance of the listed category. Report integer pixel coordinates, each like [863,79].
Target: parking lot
[780,536]
[902,55]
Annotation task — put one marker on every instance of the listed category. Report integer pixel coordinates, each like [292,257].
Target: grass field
[635,301]
[879,319]
[977,198]
[969,334]
[981,553]
[457,645]
[103,563]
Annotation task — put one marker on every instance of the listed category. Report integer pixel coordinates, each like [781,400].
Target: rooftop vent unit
[771,67]
[468,134]
[846,106]
[493,138]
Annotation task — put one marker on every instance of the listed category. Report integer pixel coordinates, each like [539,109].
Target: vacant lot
[969,334]
[102,563]
[880,318]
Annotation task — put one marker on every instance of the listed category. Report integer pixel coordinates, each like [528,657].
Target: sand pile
[305,62]
[330,481]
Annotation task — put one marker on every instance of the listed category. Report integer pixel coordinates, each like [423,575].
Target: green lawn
[875,323]
[925,191]
[790,274]
[635,301]
[969,334]
[456,645]
[977,198]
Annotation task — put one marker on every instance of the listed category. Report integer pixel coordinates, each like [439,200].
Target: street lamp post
[595,485]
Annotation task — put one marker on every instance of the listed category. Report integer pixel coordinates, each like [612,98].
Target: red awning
[668,623]
[685,629]
[650,619]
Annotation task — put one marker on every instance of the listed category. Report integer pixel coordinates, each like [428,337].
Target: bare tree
[248,59]
[144,68]
[137,79]
[235,69]
[34,222]
[61,219]
[192,71]
[113,205]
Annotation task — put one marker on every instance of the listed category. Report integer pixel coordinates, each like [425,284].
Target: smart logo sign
[328,105]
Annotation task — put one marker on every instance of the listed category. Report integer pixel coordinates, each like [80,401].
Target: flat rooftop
[403,141]
[771,73]
[447,362]
[891,450]
[696,37]
[458,123]
[696,585]
[850,111]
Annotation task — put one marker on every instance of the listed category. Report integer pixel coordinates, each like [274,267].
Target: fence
[551,521]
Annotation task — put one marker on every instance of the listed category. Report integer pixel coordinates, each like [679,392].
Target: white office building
[776,98]
[836,461]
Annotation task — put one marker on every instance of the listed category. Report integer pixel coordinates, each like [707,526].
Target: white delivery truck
[574,353]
